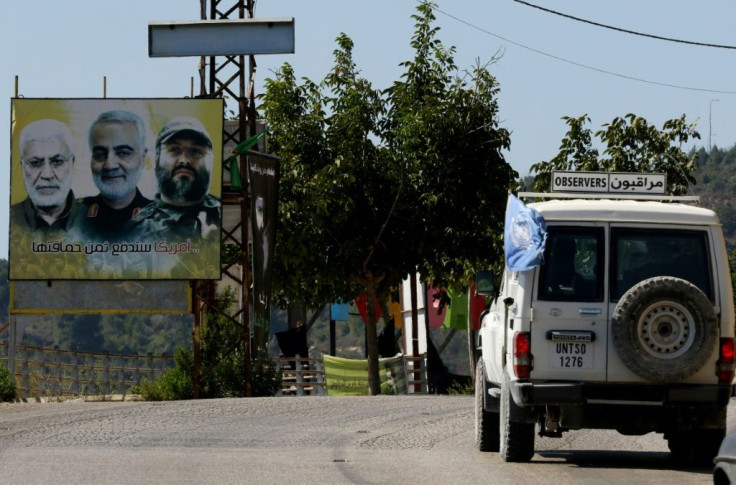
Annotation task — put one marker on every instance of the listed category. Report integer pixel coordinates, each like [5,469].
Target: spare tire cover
[664,329]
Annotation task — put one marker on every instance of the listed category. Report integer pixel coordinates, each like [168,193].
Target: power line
[626,31]
[584,66]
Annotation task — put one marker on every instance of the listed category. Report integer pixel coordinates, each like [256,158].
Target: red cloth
[360,302]
[477,305]
[435,319]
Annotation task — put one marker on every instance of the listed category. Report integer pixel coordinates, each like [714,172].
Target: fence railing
[416,374]
[44,372]
[306,377]
[301,377]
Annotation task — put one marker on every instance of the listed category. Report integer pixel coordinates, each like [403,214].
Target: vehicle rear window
[573,265]
[642,254]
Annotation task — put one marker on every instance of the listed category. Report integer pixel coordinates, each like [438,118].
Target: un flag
[524,236]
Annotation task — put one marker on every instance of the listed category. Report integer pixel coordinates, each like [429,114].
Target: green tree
[631,145]
[376,186]
[443,129]
[336,187]
[84,331]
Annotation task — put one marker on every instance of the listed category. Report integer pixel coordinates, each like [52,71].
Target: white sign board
[221,37]
[609,182]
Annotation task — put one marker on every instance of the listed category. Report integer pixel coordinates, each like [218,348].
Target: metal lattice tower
[231,78]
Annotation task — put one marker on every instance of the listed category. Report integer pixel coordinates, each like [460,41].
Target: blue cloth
[524,236]
[339,312]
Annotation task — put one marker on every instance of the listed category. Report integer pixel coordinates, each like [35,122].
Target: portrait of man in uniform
[117,142]
[182,208]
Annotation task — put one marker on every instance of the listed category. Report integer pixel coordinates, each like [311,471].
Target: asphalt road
[304,440]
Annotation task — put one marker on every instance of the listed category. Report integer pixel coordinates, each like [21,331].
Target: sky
[550,66]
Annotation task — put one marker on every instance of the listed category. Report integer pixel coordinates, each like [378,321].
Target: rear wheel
[487,435]
[517,438]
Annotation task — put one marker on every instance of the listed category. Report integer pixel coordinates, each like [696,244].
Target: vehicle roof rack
[606,195]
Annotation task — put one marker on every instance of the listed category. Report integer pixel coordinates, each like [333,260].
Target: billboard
[115,189]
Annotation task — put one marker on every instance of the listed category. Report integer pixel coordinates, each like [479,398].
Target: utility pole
[214,84]
[710,122]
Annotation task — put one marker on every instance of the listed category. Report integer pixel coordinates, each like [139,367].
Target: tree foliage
[376,185]
[222,364]
[7,385]
[630,144]
[443,129]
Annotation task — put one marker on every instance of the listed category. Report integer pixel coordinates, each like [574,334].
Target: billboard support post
[196,342]
[11,346]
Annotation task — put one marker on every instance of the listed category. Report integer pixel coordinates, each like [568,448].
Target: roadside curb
[96,398]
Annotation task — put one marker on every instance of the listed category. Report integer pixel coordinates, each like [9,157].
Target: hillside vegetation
[716,186]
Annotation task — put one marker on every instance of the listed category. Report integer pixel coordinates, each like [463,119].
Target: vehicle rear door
[570,314]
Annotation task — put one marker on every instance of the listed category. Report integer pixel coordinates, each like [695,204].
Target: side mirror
[484,283]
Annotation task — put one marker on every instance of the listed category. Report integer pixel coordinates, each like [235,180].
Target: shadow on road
[645,460]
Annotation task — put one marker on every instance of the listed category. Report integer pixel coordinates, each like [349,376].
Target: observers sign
[609,182]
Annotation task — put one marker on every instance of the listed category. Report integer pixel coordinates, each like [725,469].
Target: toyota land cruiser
[627,324]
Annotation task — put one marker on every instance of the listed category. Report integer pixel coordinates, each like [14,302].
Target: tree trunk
[374,377]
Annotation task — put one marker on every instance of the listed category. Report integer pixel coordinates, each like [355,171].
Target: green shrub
[227,379]
[461,388]
[175,384]
[222,355]
[265,377]
[7,385]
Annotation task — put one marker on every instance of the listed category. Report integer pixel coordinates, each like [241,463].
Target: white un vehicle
[627,324]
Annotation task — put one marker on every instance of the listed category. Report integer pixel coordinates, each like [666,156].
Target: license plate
[570,355]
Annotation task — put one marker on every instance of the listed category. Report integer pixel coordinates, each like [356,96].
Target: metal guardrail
[44,372]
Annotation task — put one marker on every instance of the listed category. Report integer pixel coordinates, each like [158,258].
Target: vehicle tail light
[726,361]
[523,356]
